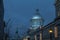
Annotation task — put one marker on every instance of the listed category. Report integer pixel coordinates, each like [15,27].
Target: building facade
[50,31]
[1,20]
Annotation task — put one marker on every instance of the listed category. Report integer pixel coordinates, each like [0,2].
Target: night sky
[21,11]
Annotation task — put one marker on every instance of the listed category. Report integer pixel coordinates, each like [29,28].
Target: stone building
[50,31]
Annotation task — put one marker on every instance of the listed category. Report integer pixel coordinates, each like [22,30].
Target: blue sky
[21,11]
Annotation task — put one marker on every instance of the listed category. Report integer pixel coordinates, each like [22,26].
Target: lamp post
[50,32]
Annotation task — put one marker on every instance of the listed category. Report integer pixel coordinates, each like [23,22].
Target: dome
[36,17]
[36,21]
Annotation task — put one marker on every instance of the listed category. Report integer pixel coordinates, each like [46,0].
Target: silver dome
[36,17]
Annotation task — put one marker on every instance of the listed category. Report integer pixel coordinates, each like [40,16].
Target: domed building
[51,31]
[36,21]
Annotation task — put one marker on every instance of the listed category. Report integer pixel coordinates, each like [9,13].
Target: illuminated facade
[1,20]
[50,31]
[36,21]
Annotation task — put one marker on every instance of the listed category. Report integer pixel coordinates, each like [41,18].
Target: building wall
[58,29]
[46,33]
[57,6]
[1,20]
[54,25]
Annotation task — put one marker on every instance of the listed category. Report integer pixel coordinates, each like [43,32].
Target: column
[35,37]
[40,35]
[56,32]
[26,38]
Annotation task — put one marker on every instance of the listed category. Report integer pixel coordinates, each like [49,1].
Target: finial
[37,11]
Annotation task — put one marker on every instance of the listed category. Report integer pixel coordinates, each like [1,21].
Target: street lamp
[50,31]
